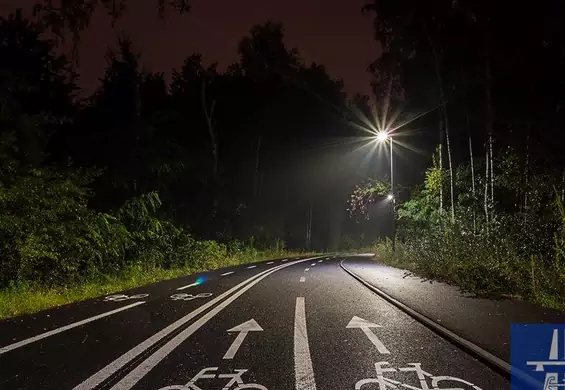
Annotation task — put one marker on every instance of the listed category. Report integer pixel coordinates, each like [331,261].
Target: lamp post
[382,137]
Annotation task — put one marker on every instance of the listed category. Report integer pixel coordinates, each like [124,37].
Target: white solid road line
[148,364]
[228,273]
[66,327]
[251,266]
[304,373]
[302,279]
[187,286]
[127,357]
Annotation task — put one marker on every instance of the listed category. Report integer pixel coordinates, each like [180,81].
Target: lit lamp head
[382,136]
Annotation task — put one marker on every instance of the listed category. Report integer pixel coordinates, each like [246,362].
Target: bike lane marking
[304,373]
[148,364]
[110,369]
[65,328]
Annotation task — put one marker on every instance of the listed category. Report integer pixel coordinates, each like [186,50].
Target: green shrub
[47,233]
[207,254]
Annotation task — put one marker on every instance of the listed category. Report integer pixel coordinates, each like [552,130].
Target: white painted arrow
[243,329]
[365,326]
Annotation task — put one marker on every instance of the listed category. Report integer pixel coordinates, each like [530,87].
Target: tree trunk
[309,225]
[256,176]
[527,174]
[486,197]
[209,114]
[439,80]
[489,115]
[563,187]
[472,163]
[440,157]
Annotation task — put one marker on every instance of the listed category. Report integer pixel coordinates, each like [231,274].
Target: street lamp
[382,137]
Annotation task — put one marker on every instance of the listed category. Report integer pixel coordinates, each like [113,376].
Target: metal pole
[393,202]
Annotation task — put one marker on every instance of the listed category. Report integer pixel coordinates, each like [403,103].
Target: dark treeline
[252,153]
[489,75]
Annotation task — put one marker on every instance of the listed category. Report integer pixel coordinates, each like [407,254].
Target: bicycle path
[485,322]
[301,324]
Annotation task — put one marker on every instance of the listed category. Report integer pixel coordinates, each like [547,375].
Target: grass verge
[28,298]
[485,271]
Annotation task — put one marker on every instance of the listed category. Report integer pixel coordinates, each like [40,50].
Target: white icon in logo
[551,378]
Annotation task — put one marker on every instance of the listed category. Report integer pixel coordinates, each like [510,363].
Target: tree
[74,16]
[411,34]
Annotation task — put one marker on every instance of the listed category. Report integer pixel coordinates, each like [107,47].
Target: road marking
[302,279]
[121,297]
[66,327]
[148,364]
[189,297]
[189,285]
[228,273]
[284,260]
[199,280]
[304,373]
[251,266]
[364,325]
[270,262]
[320,261]
[307,269]
[127,357]
[243,329]
[311,265]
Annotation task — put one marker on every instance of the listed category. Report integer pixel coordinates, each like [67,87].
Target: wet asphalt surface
[300,329]
[484,321]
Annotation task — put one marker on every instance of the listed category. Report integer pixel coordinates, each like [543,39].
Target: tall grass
[491,265]
[25,298]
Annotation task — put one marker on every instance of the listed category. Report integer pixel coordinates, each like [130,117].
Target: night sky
[329,32]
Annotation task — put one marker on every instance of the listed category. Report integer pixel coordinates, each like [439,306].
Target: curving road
[300,324]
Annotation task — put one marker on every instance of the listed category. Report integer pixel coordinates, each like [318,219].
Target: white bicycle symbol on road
[189,297]
[423,376]
[121,297]
[207,373]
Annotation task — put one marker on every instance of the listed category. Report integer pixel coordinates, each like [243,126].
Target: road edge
[485,356]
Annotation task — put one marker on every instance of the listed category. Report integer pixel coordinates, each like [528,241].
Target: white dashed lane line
[251,266]
[302,279]
[307,269]
[228,273]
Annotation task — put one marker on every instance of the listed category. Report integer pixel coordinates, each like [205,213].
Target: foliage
[23,298]
[509,255]
[371,191]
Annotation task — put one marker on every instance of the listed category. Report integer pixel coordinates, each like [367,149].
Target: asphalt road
[285,324]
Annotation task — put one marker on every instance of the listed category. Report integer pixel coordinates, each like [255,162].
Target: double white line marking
[148,364]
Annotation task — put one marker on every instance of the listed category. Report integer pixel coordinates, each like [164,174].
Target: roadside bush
[207,254]
[47,233]
[493,264]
